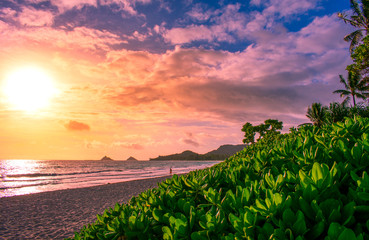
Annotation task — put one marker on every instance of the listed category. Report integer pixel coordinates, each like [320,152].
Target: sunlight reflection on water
[19,177]
[20,168]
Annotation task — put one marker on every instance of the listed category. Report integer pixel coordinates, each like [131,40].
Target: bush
[312,183]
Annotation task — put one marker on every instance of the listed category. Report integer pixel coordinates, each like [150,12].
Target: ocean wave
[24,186]
[32,175]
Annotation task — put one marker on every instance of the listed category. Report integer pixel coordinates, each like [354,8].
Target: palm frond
[355,38]
[362,95]
[344,82]
[356,8]
[346,100]
[365,8]
[342,92]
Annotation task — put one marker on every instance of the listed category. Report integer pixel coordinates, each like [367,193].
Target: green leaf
[249,218]
[334,230]
[132,221]
[157,215]
[317,172]
[316,231]
[200,235]
[167,233]
[306,208]
[363,196]
[288,217]
[299,226]
[347,212]
[347,234]
[236,222]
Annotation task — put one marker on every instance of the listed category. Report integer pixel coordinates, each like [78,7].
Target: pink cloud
[80,38]
[8,13]
[134,146]
[190,140]
[188,34]
[94,144]
[131,66]
[77,126]
[35,18]
[124,5]
[268,79]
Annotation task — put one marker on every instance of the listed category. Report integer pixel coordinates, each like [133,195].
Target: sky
[144,78]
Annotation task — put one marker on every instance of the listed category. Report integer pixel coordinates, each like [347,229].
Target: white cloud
[224,23]
[288,7]
[189,34]
[323,33]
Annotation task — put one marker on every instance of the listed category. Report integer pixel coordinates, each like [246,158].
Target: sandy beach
[58,214]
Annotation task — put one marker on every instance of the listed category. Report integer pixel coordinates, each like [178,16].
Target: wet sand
[58,214]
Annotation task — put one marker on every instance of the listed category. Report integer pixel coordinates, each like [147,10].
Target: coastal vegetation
[309,183]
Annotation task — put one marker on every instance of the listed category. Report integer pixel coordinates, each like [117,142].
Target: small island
[105,158]
[131,159]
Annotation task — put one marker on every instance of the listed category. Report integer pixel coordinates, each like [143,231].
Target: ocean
[19,177]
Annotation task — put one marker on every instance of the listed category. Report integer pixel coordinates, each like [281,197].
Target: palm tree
[359,19]
[317,114]
[337,112]
[354,87]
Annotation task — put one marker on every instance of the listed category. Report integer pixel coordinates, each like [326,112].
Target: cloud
[190,140]
[189,34]
[94,144]
[35,18]
[229,24]
[269,79]
[286,8]
[127,6]
[78,39]
[76,126]
[134,146]
[224,24]
[323,33]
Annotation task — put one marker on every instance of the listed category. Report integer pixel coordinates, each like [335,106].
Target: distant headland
[105,158]
[221,153]
[131,159]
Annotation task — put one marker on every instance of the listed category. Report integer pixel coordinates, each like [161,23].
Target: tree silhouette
[317,114]
[267,129]
[354,87]
[359,19]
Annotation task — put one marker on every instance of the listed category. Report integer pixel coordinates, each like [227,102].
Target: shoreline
[58,214]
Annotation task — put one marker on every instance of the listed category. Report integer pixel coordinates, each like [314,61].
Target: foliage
[355,86]
[317,114]
[337,112]
[312,183]
[360,56]
[359,20]
[268,129]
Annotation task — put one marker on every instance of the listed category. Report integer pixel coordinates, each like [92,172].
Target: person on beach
[170,170]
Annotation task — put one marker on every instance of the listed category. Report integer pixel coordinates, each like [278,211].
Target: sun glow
[29,89]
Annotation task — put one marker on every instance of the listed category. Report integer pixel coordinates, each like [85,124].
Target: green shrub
[312,183]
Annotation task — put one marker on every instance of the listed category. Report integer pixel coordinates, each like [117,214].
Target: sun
[29,89]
